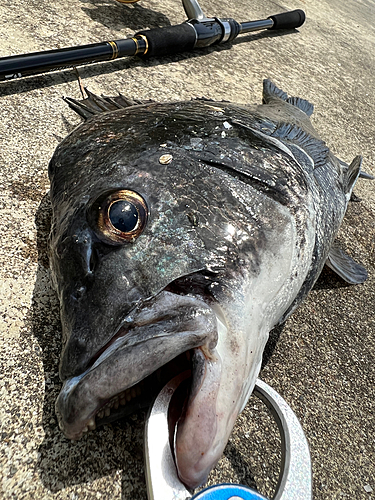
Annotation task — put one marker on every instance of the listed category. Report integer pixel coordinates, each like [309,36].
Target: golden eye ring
[121,216]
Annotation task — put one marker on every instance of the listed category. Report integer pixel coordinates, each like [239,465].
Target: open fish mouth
[163,337]
[122,404]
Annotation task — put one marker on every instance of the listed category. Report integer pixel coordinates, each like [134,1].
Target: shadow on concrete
[240,465]
[117,16]
[329,280]
[271,344]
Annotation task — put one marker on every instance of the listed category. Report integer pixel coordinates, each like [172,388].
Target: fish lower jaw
[103,414]
[121,399]
[121,404]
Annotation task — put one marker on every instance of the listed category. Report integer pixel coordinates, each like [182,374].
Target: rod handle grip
[288,20]
[169,40]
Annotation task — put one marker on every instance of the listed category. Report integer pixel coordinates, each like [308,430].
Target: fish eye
[120,216]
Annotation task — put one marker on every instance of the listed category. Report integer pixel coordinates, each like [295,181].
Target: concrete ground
[321,361]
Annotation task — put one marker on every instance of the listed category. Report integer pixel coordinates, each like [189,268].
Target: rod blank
[195,33]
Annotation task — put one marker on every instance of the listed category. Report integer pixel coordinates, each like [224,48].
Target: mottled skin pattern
[240,224]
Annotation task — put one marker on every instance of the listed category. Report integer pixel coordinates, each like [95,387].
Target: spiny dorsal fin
[316,148]
[79,107]
[302,104]
[94,104]
[347,268]
[270,91]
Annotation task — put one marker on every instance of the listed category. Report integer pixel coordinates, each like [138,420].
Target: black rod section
[40,62]
[195,33]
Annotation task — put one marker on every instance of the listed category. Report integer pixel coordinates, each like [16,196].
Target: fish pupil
[123,216]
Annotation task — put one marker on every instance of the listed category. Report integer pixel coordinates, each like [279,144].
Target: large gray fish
[182,234]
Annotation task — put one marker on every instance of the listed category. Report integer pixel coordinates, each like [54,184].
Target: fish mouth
[169,334]
[131,399]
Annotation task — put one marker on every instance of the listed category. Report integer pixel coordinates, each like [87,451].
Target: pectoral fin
[365,175]
[352,174]
[345,266]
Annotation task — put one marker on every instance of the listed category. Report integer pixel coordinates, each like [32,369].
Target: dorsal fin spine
[316,148]
[302,104]
[270,91]
[95,105]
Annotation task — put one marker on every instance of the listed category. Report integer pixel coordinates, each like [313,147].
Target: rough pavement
[323,360]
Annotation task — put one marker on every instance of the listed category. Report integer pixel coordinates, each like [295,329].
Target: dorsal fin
[94,104]
[79,107]
[316,148]
[270,91]
[302,104]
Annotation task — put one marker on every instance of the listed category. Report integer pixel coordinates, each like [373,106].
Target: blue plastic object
[228,492]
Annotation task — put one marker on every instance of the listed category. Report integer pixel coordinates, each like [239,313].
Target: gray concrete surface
[323,360]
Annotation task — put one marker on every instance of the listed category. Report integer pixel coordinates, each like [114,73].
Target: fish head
[155,258]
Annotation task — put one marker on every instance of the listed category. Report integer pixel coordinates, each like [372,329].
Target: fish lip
[69,421]
[146,402]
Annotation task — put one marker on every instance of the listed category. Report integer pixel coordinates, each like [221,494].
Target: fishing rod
[198,32]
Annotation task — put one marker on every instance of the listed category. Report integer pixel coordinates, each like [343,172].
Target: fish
[182,233]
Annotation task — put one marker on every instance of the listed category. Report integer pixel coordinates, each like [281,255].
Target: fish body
[182,234]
